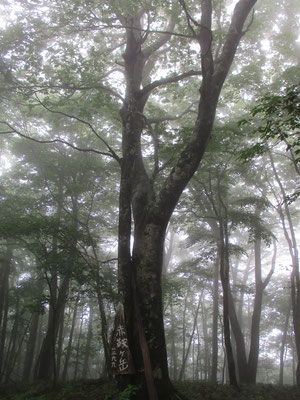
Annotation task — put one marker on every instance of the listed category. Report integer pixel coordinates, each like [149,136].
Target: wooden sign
[120,356]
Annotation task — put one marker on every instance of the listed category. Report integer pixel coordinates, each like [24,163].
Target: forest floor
[192,390]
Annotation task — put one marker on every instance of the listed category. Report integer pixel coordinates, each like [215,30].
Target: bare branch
[205,35]
[169,79]
[163,39]
[112,152]
[171,117]
[56,140]
[189,18]
[235,33]
[250,23]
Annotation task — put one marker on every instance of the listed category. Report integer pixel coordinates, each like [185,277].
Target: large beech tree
[140,204]
[146,203]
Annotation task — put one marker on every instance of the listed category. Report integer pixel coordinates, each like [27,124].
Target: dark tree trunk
[77,358]
[224,273]
[214,362]
[182,369]
[5,264]
[206,337]
[60,342]
[70,342]
[173,355]
[33,333]
[89,337]
[247,368]
[283,344]
[187,351]
[151,211]
[104,327]
[47,361]
[13,342]
[289,232]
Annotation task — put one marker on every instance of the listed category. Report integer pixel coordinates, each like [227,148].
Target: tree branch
[169,79]
[112,152]
[235,33]
[56,140]
[163,39]
[171,117]
[189,18]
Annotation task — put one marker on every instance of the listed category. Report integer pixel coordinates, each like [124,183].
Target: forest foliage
[81,125]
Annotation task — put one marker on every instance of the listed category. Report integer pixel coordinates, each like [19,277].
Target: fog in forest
[149,196]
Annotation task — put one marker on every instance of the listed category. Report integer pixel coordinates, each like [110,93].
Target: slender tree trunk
[76,367]
[224,273]
[182,370]
[12,346]
[260,286]
[104,327]
[89,337]
[290,236]
[206,338]
[215,347]
[283,344]
[186,353]
[242,292]
[60,342]
[4,289]
[33,333]
[173,355]
[69,348]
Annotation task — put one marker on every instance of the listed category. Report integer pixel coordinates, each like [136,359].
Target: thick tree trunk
[151,211]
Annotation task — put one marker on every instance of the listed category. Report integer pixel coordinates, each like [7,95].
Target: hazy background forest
[60,143]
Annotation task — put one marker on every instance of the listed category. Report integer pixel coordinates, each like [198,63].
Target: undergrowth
[104,390]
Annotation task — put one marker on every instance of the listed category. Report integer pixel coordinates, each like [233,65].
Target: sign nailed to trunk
[120,359]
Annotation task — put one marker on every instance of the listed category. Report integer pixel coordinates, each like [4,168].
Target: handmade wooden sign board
[120,356]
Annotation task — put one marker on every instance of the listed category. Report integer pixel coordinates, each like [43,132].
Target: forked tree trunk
[47,360]
[151,211]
